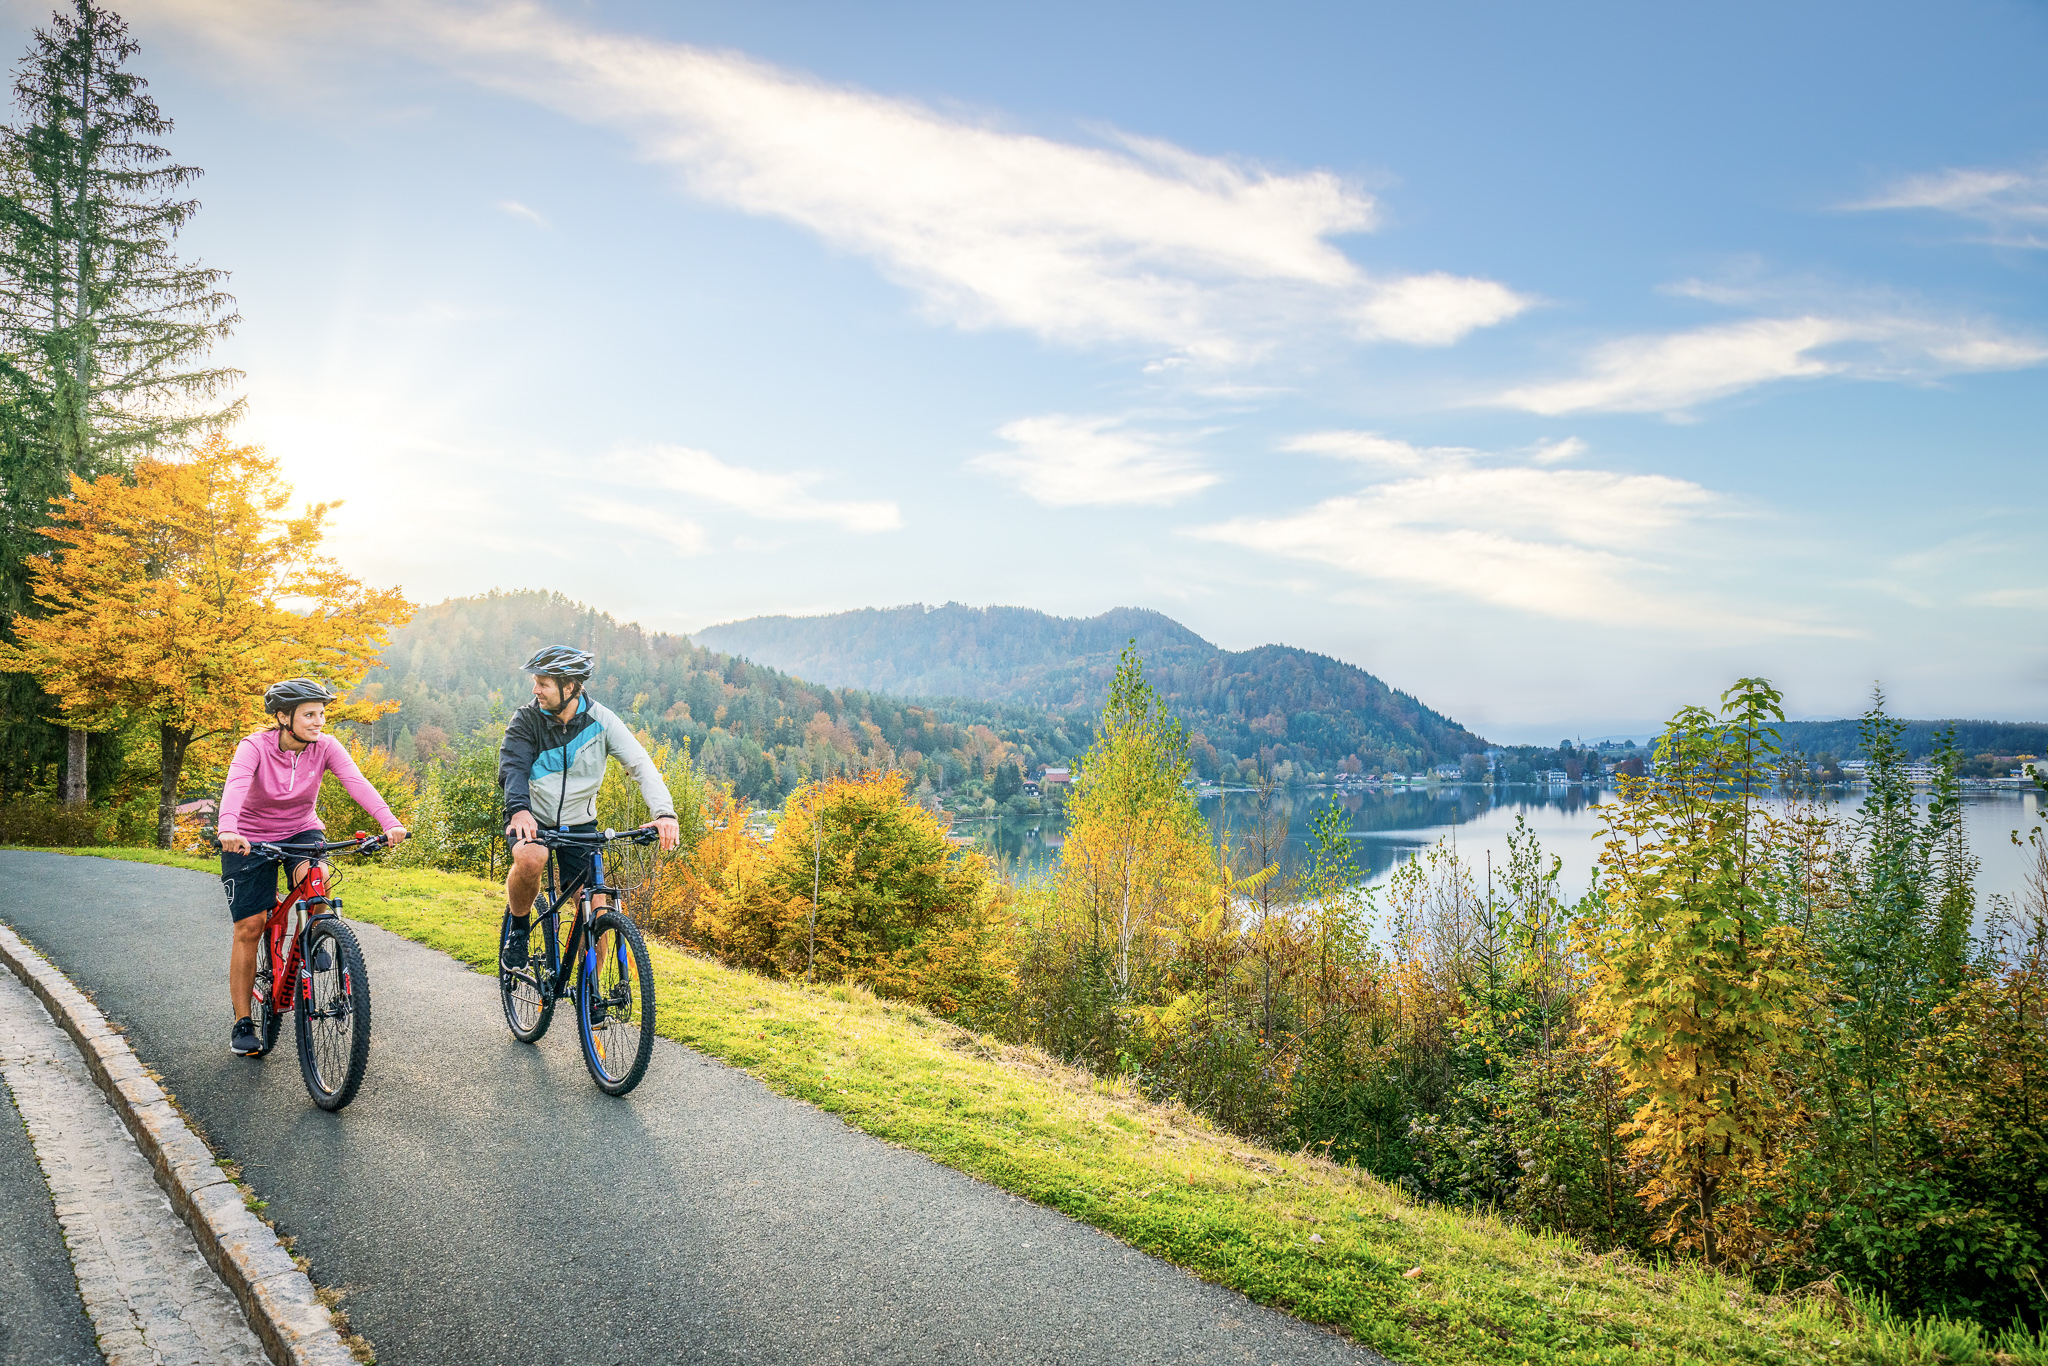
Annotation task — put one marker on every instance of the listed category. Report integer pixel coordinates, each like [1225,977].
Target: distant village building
[1556,777]
[1448,771]
[1054,777]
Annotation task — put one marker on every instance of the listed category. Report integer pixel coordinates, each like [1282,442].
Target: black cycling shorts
[250,880]
[576,867]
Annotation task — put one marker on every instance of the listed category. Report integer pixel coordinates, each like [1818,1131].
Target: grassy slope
[1327,1243]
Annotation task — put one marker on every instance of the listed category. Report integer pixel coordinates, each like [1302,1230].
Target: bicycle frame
[284,945]
[308,894]
[570,954]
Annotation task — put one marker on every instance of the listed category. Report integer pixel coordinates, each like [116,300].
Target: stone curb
[294,1327]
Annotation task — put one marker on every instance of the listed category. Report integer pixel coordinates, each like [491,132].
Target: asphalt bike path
[41,1317]
[482,1202]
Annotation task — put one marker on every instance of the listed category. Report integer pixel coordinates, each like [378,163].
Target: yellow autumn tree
[174,599]
[1699,987]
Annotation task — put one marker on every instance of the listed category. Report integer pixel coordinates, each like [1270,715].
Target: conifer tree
[103,330]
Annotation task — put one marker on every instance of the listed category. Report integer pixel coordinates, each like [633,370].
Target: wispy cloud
[774,497]
[679,534]
[1571,544]
[2012,205]
[1676,372]
[1385,452]
[1129,241]
[1064,461]
[519,210]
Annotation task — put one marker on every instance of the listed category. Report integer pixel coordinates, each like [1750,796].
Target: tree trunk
[172,744]
[73,790]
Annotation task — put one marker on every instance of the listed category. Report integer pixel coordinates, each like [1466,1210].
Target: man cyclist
[551,766]
[272,787]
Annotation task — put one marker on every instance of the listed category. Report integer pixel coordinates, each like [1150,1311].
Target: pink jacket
[270,791]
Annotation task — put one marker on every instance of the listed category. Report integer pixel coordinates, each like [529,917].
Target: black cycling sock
[520,924]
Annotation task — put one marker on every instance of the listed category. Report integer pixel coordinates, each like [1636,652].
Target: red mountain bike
[311,964]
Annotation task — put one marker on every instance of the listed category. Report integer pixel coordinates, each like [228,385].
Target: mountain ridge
[1269,704]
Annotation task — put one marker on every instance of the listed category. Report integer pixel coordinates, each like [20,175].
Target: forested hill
[1840,739]
[455,671]
[1012,653]
[455,668]
[1288,703]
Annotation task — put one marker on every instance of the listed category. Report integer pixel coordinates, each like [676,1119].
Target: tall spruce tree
[103,330]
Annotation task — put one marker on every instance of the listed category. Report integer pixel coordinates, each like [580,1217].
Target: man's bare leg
[522,879]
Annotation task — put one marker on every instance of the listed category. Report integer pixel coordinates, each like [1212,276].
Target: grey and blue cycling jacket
[554,768]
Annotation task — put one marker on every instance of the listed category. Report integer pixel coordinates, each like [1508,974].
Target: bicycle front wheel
[333,1015]
[615,1004]
[528,1009]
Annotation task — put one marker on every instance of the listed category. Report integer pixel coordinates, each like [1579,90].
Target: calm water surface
[1389,827]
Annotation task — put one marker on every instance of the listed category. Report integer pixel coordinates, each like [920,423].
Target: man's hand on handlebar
[231,843]
[671,833]
[522,827]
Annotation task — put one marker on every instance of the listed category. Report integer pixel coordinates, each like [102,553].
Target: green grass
[1329,1244]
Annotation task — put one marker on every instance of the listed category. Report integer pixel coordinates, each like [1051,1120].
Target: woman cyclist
[273,784]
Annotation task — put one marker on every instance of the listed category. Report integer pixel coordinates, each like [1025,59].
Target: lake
[1390,826]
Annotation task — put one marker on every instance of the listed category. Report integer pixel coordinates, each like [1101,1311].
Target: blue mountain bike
[603,965]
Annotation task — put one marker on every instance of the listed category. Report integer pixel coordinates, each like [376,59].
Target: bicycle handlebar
[361,843]
[594,839]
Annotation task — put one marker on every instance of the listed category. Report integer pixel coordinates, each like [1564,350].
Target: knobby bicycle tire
[615,1004]
[333,1015]
[528,1012]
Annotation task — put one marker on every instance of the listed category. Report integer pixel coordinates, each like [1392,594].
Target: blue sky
[1557,364]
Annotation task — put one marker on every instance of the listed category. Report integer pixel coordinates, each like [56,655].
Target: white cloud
[1570,544]
[1678,371]
[2012,204]
[1133,242]
[679,534]
[1436,309]
[1551,452]
[2034,599]
[1370,448]
[774,497]
[1064,461]
[519,210]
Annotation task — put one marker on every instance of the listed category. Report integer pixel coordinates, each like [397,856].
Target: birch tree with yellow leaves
[175,599]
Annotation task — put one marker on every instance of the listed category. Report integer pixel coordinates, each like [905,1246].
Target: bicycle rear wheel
[615,1004]
[263,1012]
[528,1009]
[333,1015]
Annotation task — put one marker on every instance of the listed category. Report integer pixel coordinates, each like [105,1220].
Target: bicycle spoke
[615,1005]
[334,1016]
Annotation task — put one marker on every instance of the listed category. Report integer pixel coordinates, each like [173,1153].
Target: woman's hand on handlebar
[396,835]
[671,834]
[231,843]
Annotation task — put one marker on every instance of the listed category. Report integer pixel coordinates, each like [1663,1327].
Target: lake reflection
[1389,827]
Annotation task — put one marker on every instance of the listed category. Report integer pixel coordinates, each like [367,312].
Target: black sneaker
[513,952]
[243,1041]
